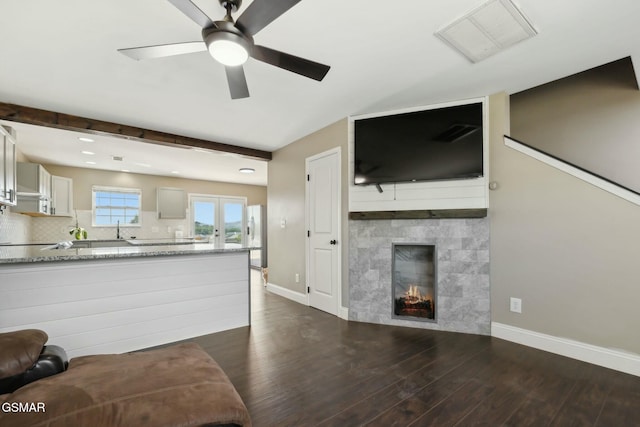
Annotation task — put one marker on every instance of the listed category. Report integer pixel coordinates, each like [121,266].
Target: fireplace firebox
[413,281]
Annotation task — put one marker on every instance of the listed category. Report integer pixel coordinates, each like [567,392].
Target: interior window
[114,206]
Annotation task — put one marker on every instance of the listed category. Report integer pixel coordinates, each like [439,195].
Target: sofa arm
[19,350]
[51,361]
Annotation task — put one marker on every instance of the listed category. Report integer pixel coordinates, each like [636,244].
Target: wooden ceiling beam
[34,116]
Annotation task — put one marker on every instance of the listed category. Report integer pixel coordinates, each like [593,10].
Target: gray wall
[589,119]
[286,200]
[567,248]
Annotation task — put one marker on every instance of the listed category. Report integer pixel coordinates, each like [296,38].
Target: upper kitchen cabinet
[34,189]
[61,196]
[7,166]
[171,203]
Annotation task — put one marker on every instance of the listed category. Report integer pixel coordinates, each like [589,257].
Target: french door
[219,220]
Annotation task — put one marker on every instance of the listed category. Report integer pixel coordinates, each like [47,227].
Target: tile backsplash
[17,228]
[14,228]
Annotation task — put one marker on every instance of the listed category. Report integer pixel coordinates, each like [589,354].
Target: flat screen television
[426,145]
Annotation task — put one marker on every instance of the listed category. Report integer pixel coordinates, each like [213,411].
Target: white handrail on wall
[574,171]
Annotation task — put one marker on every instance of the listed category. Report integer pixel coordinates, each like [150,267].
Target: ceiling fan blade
[304,67]
[261,13]
[237,82]
[163,50]
[192,11]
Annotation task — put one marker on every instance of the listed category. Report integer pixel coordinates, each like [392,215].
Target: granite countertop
[14,254]
[133,242]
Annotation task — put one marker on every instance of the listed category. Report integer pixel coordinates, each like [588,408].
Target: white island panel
[125,304]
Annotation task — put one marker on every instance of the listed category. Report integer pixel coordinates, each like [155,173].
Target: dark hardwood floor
[297,366]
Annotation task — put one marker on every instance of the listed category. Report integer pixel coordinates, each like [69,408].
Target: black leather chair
[25,358]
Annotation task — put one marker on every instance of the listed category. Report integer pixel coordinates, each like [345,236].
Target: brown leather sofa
[180,385]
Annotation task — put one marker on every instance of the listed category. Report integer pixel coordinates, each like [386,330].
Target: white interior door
[219,220]
[323,219]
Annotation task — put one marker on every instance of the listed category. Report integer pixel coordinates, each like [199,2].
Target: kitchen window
[113,206]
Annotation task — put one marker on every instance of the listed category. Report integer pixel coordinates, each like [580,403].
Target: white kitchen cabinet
[34,189]
[7,167]
[61,196]
[171,203]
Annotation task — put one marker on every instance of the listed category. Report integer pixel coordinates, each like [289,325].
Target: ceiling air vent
[117,158]
[487,30]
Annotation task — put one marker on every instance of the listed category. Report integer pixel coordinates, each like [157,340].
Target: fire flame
[413,295]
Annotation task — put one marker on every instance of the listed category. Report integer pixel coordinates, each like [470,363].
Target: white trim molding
[574,171]
[298,297]
[609,358]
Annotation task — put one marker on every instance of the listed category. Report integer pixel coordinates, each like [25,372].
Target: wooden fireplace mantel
[420,214]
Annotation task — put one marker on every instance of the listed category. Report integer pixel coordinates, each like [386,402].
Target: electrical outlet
[516,305]
[297,278]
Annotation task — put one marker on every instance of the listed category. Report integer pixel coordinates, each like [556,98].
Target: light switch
[283,223]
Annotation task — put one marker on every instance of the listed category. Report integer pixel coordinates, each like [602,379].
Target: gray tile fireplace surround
[463,291]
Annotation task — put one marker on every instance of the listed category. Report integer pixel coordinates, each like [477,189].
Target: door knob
[333,242]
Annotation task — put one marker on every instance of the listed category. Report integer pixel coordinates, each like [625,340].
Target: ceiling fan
[231,42]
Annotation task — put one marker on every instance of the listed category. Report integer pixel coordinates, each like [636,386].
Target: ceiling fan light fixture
[228,52]
[227,45]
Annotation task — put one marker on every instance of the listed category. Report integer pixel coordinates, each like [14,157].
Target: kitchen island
[119,299]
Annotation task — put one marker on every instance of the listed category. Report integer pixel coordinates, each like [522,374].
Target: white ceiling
[62,147]
[62,56]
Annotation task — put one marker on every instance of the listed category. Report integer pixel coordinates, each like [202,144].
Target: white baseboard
[612,359]
[298,297]
[343,312]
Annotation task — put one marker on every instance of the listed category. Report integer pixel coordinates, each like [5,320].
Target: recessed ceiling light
[90,163]
[175,172]
[247,170]
[88,153]
[125,170]
[85,139]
